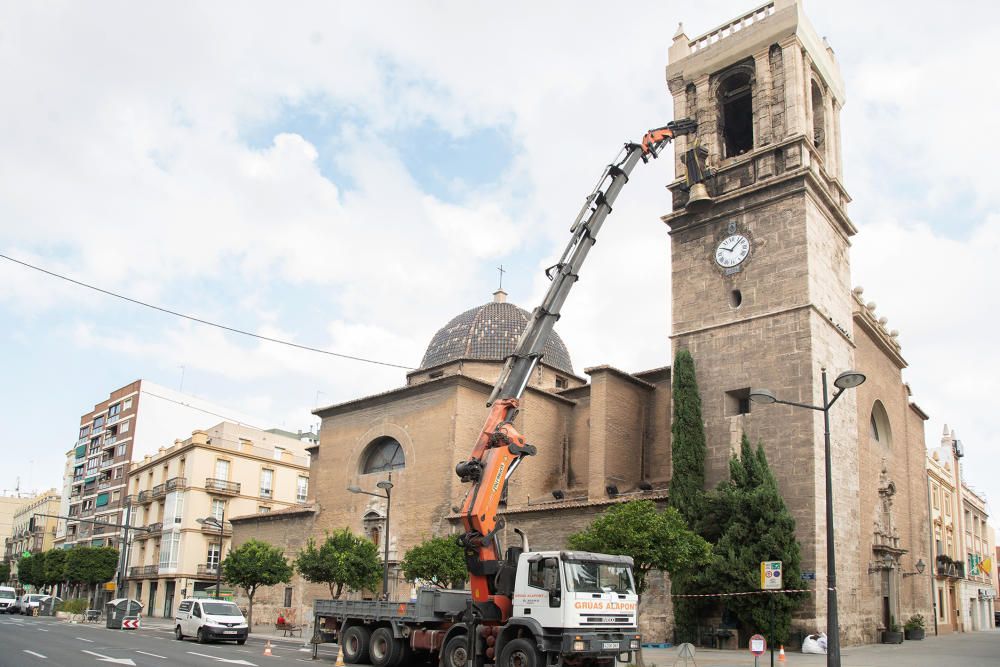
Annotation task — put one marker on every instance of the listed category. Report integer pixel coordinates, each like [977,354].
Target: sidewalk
[970,649]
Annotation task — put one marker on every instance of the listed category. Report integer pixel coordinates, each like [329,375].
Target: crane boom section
[500,449]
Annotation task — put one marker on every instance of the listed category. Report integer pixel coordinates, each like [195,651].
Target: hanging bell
[698,198]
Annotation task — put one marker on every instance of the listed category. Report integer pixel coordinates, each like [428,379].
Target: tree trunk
[250,592]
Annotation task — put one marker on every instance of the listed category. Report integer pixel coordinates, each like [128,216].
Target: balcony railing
[214,485]
[176,483]
[265,493]
[145,497]
[138,571]
[213,528]
[207,569]
[159,490]
[154,528]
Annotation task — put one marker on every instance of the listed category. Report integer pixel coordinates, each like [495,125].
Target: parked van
[28,603]
[210,620]
[8,600]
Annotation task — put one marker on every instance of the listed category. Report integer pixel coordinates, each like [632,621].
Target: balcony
[206,569]
[154,528]
[176,483]
[213,529]
[266,494]
[222,486]
[159,490]
[145,497]
[946,567]
[139,571]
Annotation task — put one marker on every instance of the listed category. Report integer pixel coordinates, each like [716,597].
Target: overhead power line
[202,321]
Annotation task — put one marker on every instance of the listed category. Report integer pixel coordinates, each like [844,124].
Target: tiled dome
[490,332]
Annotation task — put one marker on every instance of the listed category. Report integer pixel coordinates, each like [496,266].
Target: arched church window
[736,114]
[819,116]
[383,455]
[879,428]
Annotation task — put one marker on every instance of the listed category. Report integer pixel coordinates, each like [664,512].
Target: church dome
[490,332]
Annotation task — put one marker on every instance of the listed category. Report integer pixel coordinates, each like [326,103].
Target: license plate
[233,632]
[608,646]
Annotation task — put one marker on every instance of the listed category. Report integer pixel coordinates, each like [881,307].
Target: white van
[8,600]
[210,620]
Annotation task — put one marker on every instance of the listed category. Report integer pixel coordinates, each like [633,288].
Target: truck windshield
[221,609]
[7,595]
[599,578]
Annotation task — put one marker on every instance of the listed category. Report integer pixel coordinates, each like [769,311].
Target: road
[50,642]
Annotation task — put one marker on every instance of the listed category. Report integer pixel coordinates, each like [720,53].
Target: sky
[349,176]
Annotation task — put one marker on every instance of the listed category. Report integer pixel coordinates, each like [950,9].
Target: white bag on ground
[814,644]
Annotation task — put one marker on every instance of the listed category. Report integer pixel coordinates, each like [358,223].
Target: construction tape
[722,595]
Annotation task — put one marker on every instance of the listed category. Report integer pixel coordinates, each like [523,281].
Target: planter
[915,634]
[890,637]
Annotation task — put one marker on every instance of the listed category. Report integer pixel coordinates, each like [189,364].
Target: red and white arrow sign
[130,624]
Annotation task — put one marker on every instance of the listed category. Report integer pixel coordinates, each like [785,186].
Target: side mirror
[555,598]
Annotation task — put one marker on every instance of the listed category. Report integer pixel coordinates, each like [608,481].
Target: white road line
[85,640]
[41,629]
[37,655]
[153,654]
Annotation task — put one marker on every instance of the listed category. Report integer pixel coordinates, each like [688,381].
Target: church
[762,298]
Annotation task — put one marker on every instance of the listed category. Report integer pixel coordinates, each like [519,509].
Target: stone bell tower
[761,278]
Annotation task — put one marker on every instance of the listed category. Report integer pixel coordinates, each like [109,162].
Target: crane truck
[524,608]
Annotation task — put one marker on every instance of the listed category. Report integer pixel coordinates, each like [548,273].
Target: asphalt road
[50,642]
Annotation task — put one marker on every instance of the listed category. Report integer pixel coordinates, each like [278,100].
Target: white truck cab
[8,599]
[210,620]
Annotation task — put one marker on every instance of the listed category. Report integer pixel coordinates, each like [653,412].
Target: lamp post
[212,521]
[846,380]
[385,485]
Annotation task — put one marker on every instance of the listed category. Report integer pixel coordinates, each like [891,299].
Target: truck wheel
[456,652]
[520,653]
[354,644]
[385,650]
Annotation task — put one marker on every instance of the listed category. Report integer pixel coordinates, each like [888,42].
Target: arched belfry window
[384,454]
[735,96]
[819,117]
[879,430]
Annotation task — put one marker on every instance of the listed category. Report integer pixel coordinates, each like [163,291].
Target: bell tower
[761,278]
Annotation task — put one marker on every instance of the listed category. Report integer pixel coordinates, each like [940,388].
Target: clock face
[732,251]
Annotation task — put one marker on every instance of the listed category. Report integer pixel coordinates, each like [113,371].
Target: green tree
[654,539]
[757,527]
[687,442]
[255,564]
[5,571]
[31,570]
[344,560]
[55,567]
[439,560]
[91,565]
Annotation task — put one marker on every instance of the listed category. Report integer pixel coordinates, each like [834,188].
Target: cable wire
[205,322]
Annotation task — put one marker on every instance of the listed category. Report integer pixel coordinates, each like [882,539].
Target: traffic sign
[770,575]
[758,645]
[130,624]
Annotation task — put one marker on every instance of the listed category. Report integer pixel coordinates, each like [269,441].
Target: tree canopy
[4,571]
[31,570]
[687,441]
[344,560]
[654,539]
[438,560]
[255,564]
[55,566]
[90,565]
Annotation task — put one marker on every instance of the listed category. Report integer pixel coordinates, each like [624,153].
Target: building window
[278,451]
[288,596]
[84,431]
[819,116]
[561,382]
[383,455]
[120,450]
[113,412]
[221,469]
[936,495]
[263,509]
[738,402]
[214,552]
[266,482]
[879,428]
[123,427]
[941,609]
[736,113]
[218,509]
[98,422]
[302,489]
[127,403]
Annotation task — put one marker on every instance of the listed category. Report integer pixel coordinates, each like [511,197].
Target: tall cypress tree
[687,480]
[757,527]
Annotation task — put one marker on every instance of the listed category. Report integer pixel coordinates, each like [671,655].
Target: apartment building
[183,497]
[9,505]
[133,421]
[961,541]
[32,533]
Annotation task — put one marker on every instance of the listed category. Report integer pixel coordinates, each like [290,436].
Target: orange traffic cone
[267,648]
[781,654]
[340,657]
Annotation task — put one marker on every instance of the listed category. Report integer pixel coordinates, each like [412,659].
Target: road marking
[106,658]
[85,640]
[41,629]
[232,662]
[37,655]
[153,654]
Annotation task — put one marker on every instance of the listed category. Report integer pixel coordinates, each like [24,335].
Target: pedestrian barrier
[131,623]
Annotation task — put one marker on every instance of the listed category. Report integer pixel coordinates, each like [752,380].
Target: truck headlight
[579,646]
[634,644]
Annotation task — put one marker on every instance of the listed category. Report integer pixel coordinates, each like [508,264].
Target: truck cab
[588,600]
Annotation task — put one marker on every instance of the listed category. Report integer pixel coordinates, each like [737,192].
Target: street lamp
[846,380]
[385,485]
[212,521]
